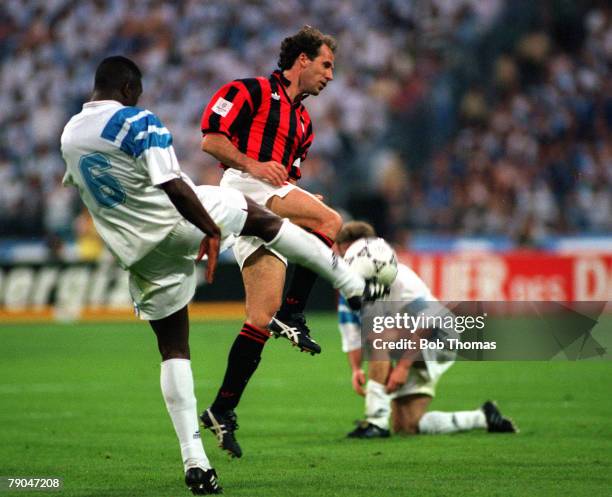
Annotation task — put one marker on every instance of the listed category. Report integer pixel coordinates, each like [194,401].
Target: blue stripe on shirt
[417,305]
[138,146]
[345,314]
[348,318]
[115,124]
[130,144]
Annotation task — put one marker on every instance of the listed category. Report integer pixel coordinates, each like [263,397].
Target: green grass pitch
[82,402]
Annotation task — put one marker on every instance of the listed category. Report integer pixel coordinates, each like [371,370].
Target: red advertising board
[515,276]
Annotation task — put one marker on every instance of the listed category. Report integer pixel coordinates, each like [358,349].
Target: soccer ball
[373,258]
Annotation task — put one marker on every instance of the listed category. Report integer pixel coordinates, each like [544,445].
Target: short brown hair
[354,230]
[307,40]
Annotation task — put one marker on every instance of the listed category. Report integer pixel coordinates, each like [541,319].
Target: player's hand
[272,172]
[397,378]
[358,381]
[209,246]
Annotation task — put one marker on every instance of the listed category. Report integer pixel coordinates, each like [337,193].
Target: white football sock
[377,404]
[307,250]
[177,389]
[435,422]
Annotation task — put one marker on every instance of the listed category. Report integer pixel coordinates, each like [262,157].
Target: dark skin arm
[189,206]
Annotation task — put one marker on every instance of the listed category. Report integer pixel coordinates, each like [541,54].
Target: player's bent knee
[405,426]
[260,222]
[336,222]
[331,223]
[407,430]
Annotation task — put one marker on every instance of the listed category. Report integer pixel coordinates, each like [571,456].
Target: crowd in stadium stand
[461,117]
[532,154]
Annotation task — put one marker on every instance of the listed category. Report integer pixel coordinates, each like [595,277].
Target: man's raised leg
[301,247]
[310,213]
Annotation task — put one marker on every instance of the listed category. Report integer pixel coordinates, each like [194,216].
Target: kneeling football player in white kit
[403,391]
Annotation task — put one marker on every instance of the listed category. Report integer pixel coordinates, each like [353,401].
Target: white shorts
[260,192]
[164,280]
[422,380]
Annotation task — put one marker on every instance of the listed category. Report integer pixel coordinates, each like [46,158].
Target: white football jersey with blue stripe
[407,287]
[417,296]
[116,156]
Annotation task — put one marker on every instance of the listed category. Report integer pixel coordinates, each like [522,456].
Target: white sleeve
[349,325]
[151,142]
[161,164]
[351,336]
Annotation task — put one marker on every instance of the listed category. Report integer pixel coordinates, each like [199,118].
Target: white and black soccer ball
[373,258]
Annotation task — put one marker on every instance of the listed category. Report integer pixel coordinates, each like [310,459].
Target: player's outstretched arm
[358,378]
[224,151]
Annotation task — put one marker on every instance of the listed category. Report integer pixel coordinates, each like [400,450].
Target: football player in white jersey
[404,390]
[157,223]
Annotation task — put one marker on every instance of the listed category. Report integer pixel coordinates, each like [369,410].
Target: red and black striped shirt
[260,119]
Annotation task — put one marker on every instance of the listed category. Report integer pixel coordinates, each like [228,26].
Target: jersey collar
[284,83]
[98,103]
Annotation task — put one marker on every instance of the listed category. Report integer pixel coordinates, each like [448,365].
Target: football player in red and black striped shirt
[260,131]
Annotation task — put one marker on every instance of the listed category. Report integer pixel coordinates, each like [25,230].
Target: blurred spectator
[462,116]
[524,160]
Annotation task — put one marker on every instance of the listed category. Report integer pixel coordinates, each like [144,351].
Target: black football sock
[243,359]
[301,283]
